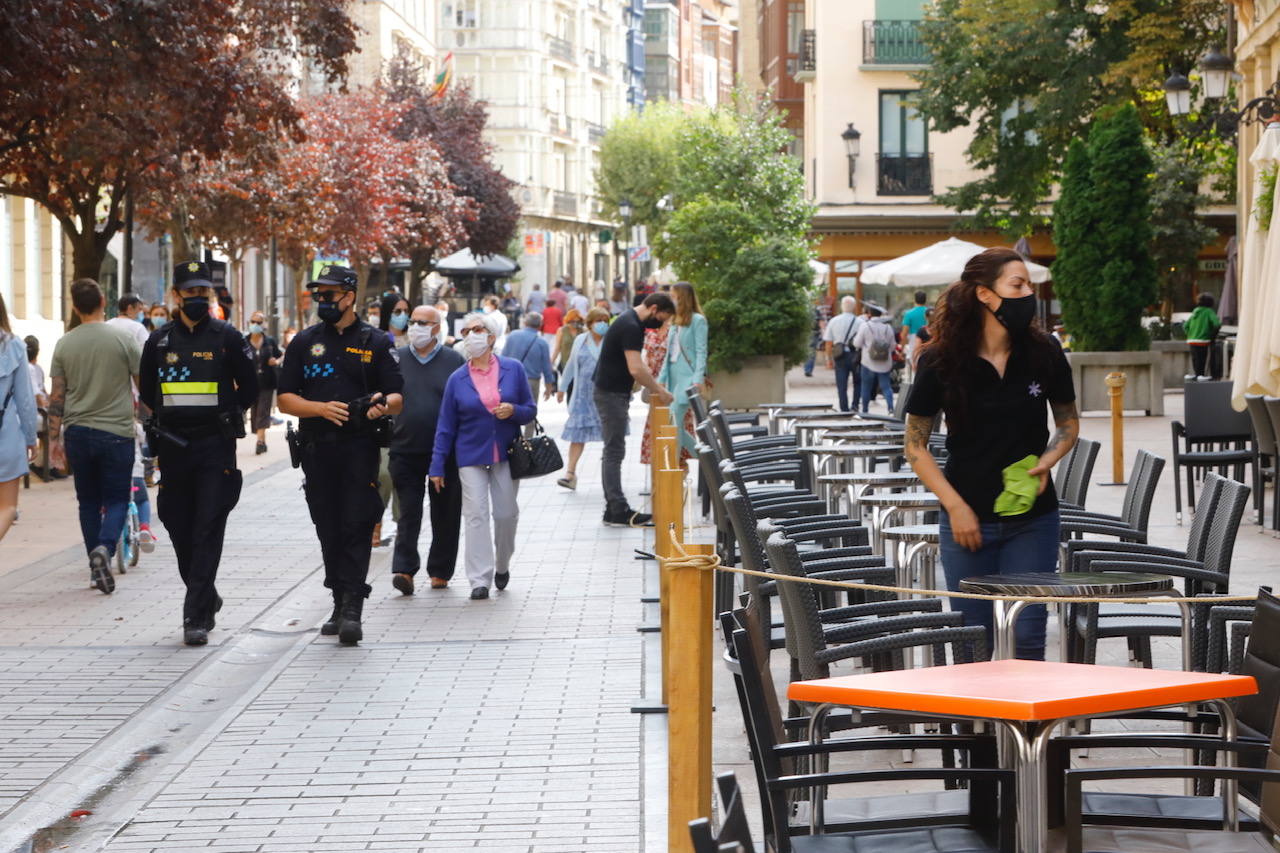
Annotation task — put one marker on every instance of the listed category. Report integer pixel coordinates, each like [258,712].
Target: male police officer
[197,377]
[340,377]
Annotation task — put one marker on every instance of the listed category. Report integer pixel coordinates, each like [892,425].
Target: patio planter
[1175,361]
[762,379]
[1144,388]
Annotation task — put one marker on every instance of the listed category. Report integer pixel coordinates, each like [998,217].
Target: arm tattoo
[1067,418]
[919,428]
[57,397]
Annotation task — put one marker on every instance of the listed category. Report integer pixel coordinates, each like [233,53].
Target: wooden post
[689,698]
[1115,388]
[668,522]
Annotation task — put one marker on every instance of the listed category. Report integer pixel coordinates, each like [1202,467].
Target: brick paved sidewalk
[502,725]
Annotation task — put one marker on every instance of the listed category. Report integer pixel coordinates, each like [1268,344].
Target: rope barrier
[712,563]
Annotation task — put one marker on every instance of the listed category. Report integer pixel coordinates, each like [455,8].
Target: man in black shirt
[620,366]
[340,377]
[427,365]
[197,377]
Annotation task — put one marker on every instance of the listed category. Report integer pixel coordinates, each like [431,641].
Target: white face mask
[420,336]
[476,344]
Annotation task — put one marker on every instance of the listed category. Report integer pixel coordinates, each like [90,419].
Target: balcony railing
[595,132]
[560,48]
[560,125]
[909,175]
[807,66]
[893,43]
[598,62]
[564,204]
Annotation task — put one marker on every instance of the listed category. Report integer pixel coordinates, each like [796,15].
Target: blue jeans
[846,368]
[869,380]
[102,463]
[1008,547]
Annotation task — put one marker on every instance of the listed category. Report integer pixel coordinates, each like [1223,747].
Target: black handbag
[535,456]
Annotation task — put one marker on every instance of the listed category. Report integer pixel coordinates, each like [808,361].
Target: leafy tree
[757,305]
[108,97]
[455,125]
[638,163]
[1104,273]
[1028,76]
[1178,233]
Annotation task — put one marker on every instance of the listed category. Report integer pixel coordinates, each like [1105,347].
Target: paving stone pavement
[502,725]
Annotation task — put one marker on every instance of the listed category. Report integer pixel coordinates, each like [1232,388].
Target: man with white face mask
[426,369]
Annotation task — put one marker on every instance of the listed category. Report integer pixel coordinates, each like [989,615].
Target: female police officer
[340,377]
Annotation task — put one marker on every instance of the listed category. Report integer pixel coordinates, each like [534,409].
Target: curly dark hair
[955,331]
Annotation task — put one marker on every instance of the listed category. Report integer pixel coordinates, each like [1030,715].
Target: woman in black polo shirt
[991,370]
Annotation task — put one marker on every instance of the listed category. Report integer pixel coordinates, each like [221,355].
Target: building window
[462,14]
[903,159]
[795,25]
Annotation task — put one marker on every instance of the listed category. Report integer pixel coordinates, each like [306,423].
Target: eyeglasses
[481,329]
[423,323]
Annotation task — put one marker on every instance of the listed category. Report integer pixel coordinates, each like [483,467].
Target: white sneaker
[146,541]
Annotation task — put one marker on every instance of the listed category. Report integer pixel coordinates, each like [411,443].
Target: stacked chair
[1205,568]
[1131,524]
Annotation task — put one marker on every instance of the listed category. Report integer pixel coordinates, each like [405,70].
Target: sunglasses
[423,323]
[481,329]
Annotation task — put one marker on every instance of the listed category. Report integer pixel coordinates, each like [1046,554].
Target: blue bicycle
[127,549]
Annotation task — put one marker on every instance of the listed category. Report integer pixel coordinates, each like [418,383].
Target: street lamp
[1177,94]
[852,146]
[1215,69]
[624,210]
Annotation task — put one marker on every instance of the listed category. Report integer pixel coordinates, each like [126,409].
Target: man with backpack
[876,340]
[842,353]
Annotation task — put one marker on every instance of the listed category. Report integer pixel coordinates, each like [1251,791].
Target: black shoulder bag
[535,456]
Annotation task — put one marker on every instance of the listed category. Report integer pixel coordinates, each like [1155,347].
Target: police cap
[191,274]
[344,277]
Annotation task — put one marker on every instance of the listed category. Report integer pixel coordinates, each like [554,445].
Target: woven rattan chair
[1074,474]
[1264,433]
[1214,436]
[1131,524]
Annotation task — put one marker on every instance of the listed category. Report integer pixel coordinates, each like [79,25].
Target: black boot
[349,632]
[330,626]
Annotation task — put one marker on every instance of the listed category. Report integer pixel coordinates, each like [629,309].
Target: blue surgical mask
[399,321]
[600,327]
[255,328]
[141,318]
[159,322]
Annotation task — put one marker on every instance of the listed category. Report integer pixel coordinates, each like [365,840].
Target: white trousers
[488,492]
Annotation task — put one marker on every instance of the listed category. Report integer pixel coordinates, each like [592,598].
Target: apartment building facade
[691,51]
[555,74]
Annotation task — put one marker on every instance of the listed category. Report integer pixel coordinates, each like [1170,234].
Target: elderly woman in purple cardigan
[486,401]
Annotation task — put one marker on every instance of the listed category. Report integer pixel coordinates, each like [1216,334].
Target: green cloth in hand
[1020,488]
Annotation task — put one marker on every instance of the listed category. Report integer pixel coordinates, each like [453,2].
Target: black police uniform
[341,464]
[197,382]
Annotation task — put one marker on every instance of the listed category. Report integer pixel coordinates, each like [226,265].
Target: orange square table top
[1025,690]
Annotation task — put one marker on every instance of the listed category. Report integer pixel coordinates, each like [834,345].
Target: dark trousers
[409,474]
[613,408]
[102,463]
[342,494]
[870,378]
[847,368]
[199,486]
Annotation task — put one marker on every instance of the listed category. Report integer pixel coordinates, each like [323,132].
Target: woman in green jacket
[685,366]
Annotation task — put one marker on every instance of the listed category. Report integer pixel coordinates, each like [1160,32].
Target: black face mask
[196,308]
[1016,314]
[329,312]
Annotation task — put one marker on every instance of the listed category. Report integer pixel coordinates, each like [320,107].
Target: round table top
[808,415]
[1068,583]
[873,436]
[912,532]
[852,449]
[821,424]
[874,478]
[785,407]
[903,499]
